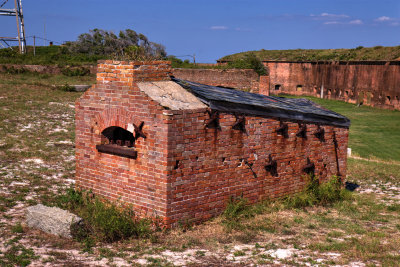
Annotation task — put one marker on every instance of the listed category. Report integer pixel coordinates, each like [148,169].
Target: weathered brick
[184,170]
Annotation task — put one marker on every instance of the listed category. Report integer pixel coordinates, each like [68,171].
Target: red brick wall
[242,79]
[373,83]
[264,85]
[183,170]
[214,165]
[117,101]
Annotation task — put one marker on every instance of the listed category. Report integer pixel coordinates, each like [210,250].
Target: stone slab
[81,87]
[171,95]
[51,220]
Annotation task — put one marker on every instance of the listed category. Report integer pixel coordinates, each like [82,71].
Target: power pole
[17,12]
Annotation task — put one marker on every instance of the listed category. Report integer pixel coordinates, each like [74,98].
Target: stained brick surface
[242,79]
[185,171]
[373,83]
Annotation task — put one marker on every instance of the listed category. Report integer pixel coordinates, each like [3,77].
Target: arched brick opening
[117,135]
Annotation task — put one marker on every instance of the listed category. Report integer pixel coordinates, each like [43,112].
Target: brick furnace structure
[180,150]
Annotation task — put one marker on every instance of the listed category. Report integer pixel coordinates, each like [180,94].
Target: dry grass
[37,162]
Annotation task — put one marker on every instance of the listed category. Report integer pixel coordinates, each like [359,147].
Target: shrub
[249,61]
[314,194]
[179,63]
[236,210]
[318,194]
[71,200]
[114,223]
[103,220]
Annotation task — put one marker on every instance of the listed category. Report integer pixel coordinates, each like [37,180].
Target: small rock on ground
[52,220]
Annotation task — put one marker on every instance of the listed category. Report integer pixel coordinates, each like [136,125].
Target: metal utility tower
[17,12]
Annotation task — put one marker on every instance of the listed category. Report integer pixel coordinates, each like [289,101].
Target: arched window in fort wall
[299,88]
[277,87]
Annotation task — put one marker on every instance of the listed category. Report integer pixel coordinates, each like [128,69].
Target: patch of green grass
[200,253]
[330,246]
[157,262]
[298,220]
[311,226]
[239,253]
[335,234]
[17,255]
[373,172]
[37,79]
[17,228]
[47,55]
[106,253]
[394,207]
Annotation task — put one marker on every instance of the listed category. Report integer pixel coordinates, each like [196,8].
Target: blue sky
[211,29]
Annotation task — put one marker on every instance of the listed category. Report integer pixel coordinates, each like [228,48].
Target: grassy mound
[359,53]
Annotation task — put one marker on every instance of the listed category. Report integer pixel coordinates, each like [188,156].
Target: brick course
[183,170]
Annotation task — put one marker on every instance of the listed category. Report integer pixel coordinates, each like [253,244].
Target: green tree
[127,45]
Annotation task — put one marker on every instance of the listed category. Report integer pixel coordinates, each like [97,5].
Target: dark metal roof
[235,101]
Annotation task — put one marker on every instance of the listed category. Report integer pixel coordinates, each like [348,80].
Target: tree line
[127,44]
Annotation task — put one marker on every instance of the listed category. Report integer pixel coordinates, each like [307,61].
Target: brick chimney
[125,73]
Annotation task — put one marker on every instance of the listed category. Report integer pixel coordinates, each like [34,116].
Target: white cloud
[329,16]
[356,22]
[388,21]
[383,18]
[352,22]
[218,28]
[331,22]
